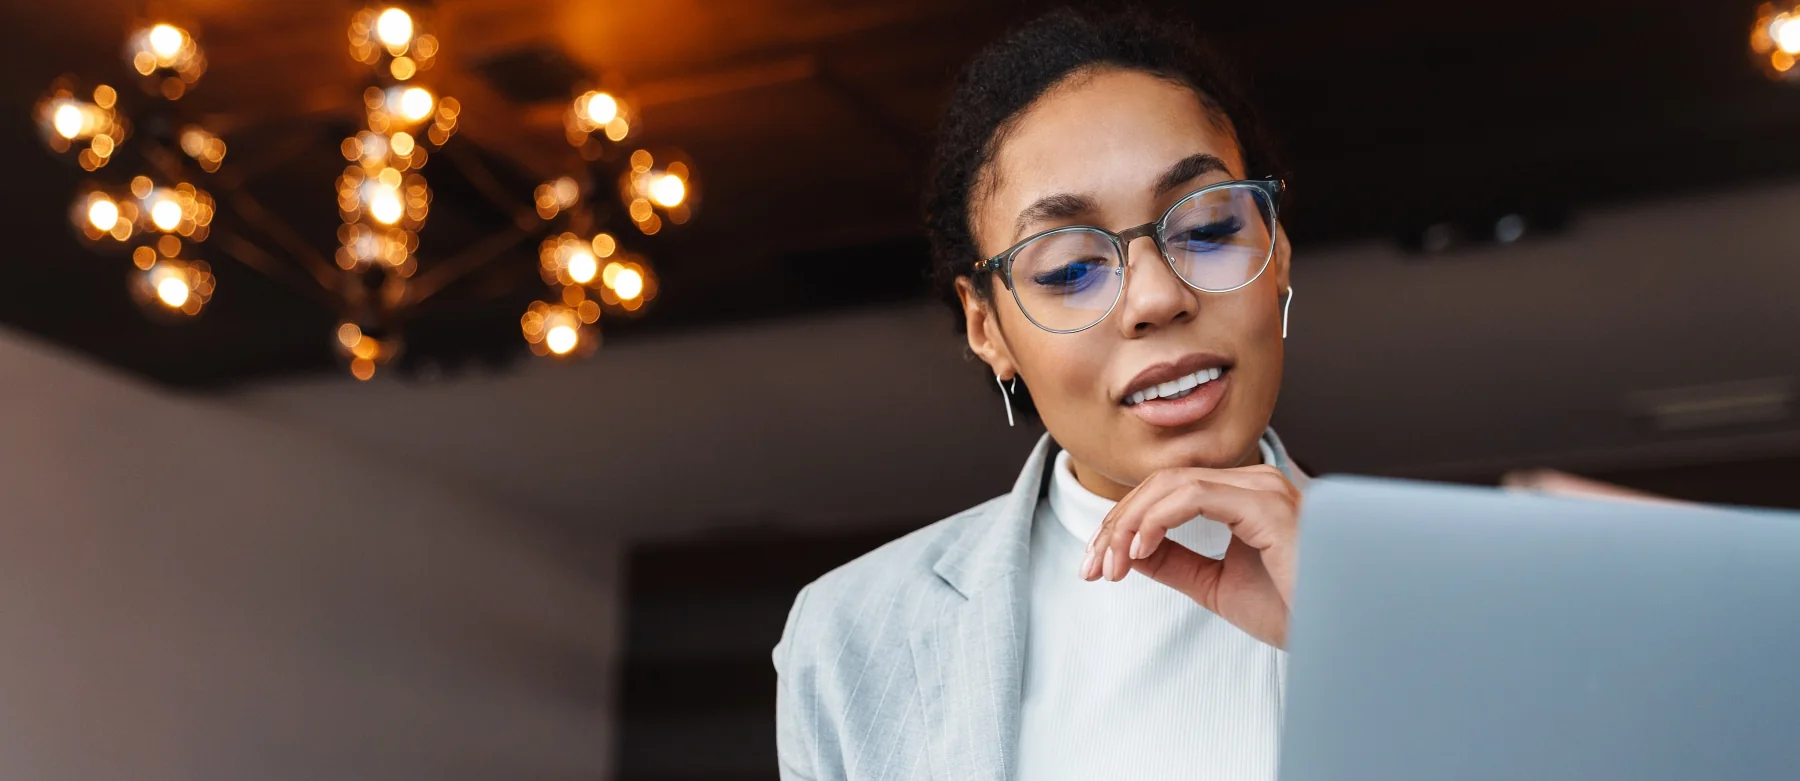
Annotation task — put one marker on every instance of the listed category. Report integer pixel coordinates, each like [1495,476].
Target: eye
[1071,277]
[1206,237]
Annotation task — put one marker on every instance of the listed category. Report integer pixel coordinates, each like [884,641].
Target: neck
[1116,490]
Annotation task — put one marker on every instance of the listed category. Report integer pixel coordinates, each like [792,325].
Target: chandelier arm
[522,214]
[247,253]
[443,274]
[252,212]
[234,176]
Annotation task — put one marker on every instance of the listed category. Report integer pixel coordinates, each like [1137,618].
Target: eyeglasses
[1216,239]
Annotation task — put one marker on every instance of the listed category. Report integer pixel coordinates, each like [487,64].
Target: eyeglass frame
[1001,264]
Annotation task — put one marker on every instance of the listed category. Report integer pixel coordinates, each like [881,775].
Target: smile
[1177,388]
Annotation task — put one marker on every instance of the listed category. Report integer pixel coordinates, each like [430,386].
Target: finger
[1125,522]
[1254,514]
[1262,519]
[1179,567]
[1096,564]
[1123,535]
[1092,563]
[1151,531]
[1257,478]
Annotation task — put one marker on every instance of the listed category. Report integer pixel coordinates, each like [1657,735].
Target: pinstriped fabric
[910,662]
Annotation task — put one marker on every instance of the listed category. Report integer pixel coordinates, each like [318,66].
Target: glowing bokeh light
[561,339]
[582,266]
[68,120]
[628,283]
[394,27]
[173,291]
[165,214]
[415,104]
[1786,34]
[668,190]
[600,108]
[165,41]
[103,214]
[385,204]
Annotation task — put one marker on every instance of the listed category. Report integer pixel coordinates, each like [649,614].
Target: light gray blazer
[907,662]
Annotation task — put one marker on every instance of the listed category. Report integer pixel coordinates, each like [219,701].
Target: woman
[1101,219]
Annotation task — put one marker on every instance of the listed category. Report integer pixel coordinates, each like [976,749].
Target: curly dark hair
[1011,73]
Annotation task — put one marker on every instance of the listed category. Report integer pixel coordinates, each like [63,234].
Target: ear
[1283,254]
[986,339]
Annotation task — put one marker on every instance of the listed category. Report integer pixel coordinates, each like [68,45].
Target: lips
[1180,393]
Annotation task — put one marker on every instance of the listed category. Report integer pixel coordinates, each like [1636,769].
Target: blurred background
[464,393]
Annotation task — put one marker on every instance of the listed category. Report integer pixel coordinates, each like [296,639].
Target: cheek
[1064,371]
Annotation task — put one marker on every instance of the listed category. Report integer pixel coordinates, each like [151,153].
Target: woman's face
[1105,148]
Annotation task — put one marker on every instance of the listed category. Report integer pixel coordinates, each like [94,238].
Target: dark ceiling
[809,122]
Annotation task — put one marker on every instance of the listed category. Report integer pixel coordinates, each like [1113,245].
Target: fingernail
[1137,545]
[1087,563]
[1109,564]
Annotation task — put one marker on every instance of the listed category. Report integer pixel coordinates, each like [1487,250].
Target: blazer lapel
[970,660]
[971,665]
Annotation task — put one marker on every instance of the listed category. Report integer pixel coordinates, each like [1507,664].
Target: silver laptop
[1448,633]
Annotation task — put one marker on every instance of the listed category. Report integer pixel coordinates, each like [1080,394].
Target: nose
[1154,297]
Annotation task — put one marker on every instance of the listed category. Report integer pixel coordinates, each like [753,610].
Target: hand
[1252,585]
[1553,483]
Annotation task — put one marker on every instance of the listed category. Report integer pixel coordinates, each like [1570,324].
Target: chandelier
[162,215]
[1775,40]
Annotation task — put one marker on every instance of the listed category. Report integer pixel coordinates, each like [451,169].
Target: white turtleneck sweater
[1132,680]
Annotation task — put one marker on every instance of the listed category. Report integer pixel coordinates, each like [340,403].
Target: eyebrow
[1190,168]
[1066,206]
[1052,208]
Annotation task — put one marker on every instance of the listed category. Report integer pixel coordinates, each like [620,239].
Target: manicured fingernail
[1087,564]
[1137,545]
[1109,564]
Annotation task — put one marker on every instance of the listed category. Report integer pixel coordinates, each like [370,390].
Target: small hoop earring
[1006,395]
[1287,300]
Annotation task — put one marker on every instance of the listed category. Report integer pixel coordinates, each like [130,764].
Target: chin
[1214,447]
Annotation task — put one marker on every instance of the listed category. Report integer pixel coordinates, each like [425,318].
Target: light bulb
[629,283]
[103,214]
[165,41]
[415,104]
[601,108]
[173,290]
[582,266]
[394,27]
[1786,34]
[561,339]
[68,120]
[668,190]
[165,214]
[385,205]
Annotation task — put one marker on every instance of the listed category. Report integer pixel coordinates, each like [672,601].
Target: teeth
[1176,388]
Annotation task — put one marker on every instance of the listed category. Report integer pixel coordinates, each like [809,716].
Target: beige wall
[188,593]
